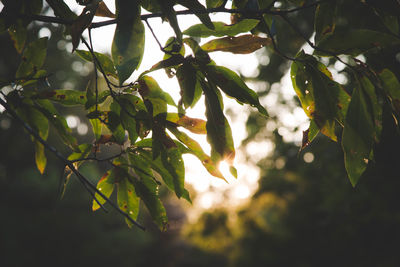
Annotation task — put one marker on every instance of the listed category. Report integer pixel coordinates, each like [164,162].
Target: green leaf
[189,84]
[244,44]
[219,133]
[147,189]
[82,152]
[323,100]
[195,149]
[127,199]
[173,162]
[194,125]
[114,123]
[61,9]
[200,55]
[18,33]
[58,121]
[215,3]
[324,20]
[309,134]
[105,186]
[221,29]
[64,96]
[195,6]
[169,13]
[128,43]
[232,85]
[358,135]
[356,41]
[391,86]
[149,89]
[127,115]
[40,157]
[106,63]
[32,58]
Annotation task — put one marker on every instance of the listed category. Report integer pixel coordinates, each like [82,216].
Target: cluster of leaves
[126,113]
[356,110]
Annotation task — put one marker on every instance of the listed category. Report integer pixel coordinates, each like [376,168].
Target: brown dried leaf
[103,11]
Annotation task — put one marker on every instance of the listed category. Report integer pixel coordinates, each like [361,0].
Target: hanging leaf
[80,24]
[221,29]
[167,8]
[105,186]
[323,100]
[244,44]
[219,133]
[149,89]
[32,58]
[195,6]
[106,63]
[128,43]
[200,55]
[128,115]
[195,149]
[114,123]
[58,121]
[197,126]
[127,199]
[147,189]
[391,86]
[358,134]
[103,11]
[324,21]
[309,134]
[61,9]
[233,86]
[189,84]
[18,33]
[40,157]
[64,96]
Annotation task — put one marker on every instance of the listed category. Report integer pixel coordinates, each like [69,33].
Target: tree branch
[66,161]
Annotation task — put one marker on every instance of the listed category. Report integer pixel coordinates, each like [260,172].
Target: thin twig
[65,161]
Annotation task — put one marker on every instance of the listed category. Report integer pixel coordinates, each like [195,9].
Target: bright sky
[211,191]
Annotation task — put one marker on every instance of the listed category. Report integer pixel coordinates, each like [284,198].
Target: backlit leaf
[105,186]
[195,149]
[323,100]
[244,44]
[128,43]
[147,189]
[40,157]
[189,84]
[127,199]
[358,135]
[32,58]
[106,63]
[219,133]
[194,125]
[64,96]
[233,86]
[103,11]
